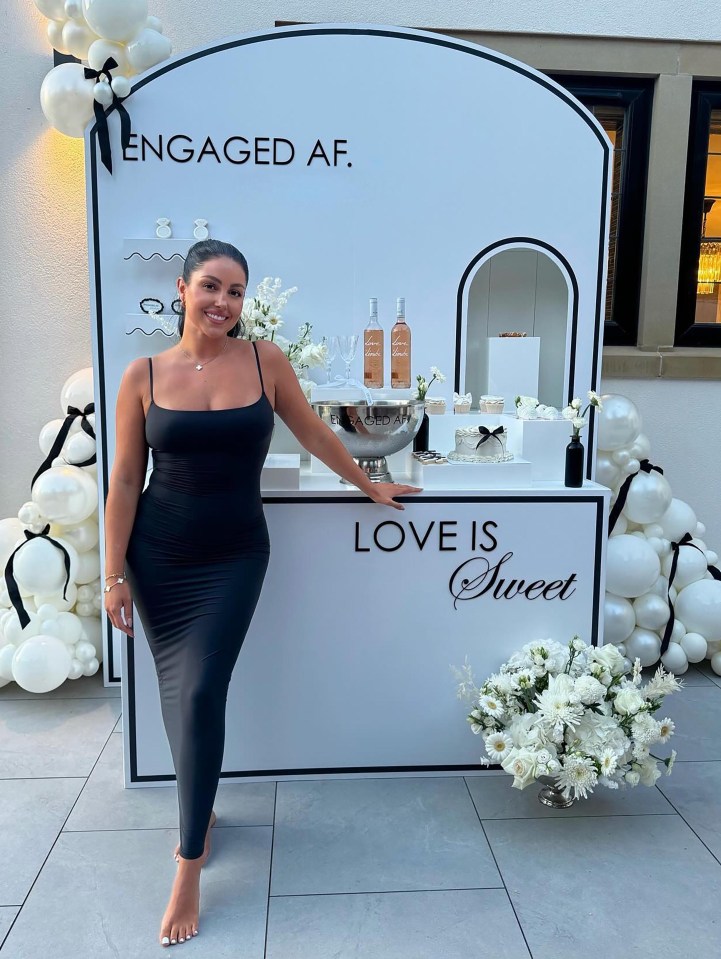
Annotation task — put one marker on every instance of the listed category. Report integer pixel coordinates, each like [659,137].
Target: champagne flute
[347,346]
[331,347]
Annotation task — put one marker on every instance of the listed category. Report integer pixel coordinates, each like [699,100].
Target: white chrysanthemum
[589,690]
[645,729]
[575,403]
[498,746]
[577,775]
[259,332]
[438,375]
[555,709]
[492,705]
[595,400]
[578,422]
[665,730]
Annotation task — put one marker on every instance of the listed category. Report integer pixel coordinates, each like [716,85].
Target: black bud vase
[420,440]
[574,462]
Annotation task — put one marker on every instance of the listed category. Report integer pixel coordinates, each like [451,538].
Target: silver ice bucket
[370,432]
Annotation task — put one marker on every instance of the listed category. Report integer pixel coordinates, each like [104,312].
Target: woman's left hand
[383,493]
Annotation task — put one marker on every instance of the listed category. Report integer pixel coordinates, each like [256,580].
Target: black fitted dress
[196,561]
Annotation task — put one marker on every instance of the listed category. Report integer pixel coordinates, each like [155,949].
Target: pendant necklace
[200,366]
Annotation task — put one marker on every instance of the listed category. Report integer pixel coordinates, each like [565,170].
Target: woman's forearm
[328,448]
[120,508]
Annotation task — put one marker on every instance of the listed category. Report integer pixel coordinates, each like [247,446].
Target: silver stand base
[375,467]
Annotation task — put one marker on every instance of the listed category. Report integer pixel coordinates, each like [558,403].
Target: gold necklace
[199,366]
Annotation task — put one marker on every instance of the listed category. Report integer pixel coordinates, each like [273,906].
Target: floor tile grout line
[254,825]
[270,873]
[498,868]
[384,892]
[60,833]
[683,819]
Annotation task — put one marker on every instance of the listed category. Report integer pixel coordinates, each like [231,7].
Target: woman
[195,543]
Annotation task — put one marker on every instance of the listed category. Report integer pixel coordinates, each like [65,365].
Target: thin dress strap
[260,372]
[150,365]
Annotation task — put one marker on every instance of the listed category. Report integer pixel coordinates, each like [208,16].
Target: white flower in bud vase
[576,403]
[595,400]
[438,375]
[568,413]
[578,422]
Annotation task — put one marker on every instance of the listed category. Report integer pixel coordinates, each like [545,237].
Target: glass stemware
[331,347]
[347,346]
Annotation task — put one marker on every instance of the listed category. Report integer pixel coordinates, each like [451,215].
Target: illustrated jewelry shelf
[147,248]
[150,323]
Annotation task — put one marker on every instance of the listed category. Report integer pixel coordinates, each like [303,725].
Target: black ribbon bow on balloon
[72,414]
[487,434]
[675,547]
[11,582]
[644,467]
[101,116]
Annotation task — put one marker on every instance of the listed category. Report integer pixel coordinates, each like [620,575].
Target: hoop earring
[177,306]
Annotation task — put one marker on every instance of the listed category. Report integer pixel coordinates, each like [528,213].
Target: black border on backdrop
[597,499]
[397,34]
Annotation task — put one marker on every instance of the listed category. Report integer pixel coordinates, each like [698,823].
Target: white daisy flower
[491,705]
[498,746]
[666,728]
[438,375]
[608,762]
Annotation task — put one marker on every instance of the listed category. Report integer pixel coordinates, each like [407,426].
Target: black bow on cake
[11,582]
[101,116]
[487,434]
[72,414]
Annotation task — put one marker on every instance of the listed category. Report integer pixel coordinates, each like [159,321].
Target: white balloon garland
[653,536]
[94,31]
[63,638]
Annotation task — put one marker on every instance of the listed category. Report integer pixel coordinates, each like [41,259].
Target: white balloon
[77,390]
[52,9]
[116,21]
[66,98]
[91,667]
[649,496]
[644,645]
[700,529]
[632,467]
[632,567]
[653,530]
[83,536]
[641,447]
[699,606]
[694,646]
[153,23]
[120,86]
[79,448]
[715,663]
[29,514]
[86,594]
[6,661]
[92,632]
[49,432]
[56,599]
[621,647]
[651,611]
[711,557]
[101,51]
[77,37]
[42,663]
[620,457]
[48,627]
[147,49]
[618,619]
[674,659]
[70,628]
[84,651]
[691,566]
[11,535]
[55,36]
[84,609]
[88,568]
[619,422]
[678,631]
[103,93]
[74,10]
[620,526]
[607,473]
[76,670]
[678,520]
[40,566]
[656,544]
[65,494]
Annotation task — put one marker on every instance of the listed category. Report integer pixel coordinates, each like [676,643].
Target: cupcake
[491,404]
[462,404]
[435,404]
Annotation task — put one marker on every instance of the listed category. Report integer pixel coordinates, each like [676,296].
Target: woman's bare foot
[180,921]
[206,850]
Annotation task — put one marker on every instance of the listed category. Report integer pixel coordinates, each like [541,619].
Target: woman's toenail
[172,942]
[165,941]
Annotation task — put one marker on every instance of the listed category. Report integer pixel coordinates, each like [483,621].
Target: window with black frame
[698,318]
[623,108]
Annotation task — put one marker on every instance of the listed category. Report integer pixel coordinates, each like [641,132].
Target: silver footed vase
[551,795]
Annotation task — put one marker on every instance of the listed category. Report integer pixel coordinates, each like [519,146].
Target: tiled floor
[428,868]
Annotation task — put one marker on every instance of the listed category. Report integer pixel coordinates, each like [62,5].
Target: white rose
[578,422]
[521,764]
[628,701]
[632,778]
[610,658]
[649,772]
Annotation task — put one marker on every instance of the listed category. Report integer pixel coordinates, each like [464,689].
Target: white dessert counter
[346,667]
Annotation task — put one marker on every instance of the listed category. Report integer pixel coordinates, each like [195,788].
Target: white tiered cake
[479,444]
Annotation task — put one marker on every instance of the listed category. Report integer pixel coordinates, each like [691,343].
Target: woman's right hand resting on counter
[384,493]
[119,607]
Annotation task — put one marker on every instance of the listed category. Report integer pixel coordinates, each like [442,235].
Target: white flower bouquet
[262,319]
[571,714]
[419,393]
[576,416]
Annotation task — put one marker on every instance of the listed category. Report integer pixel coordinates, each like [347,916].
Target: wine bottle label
[373,358]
